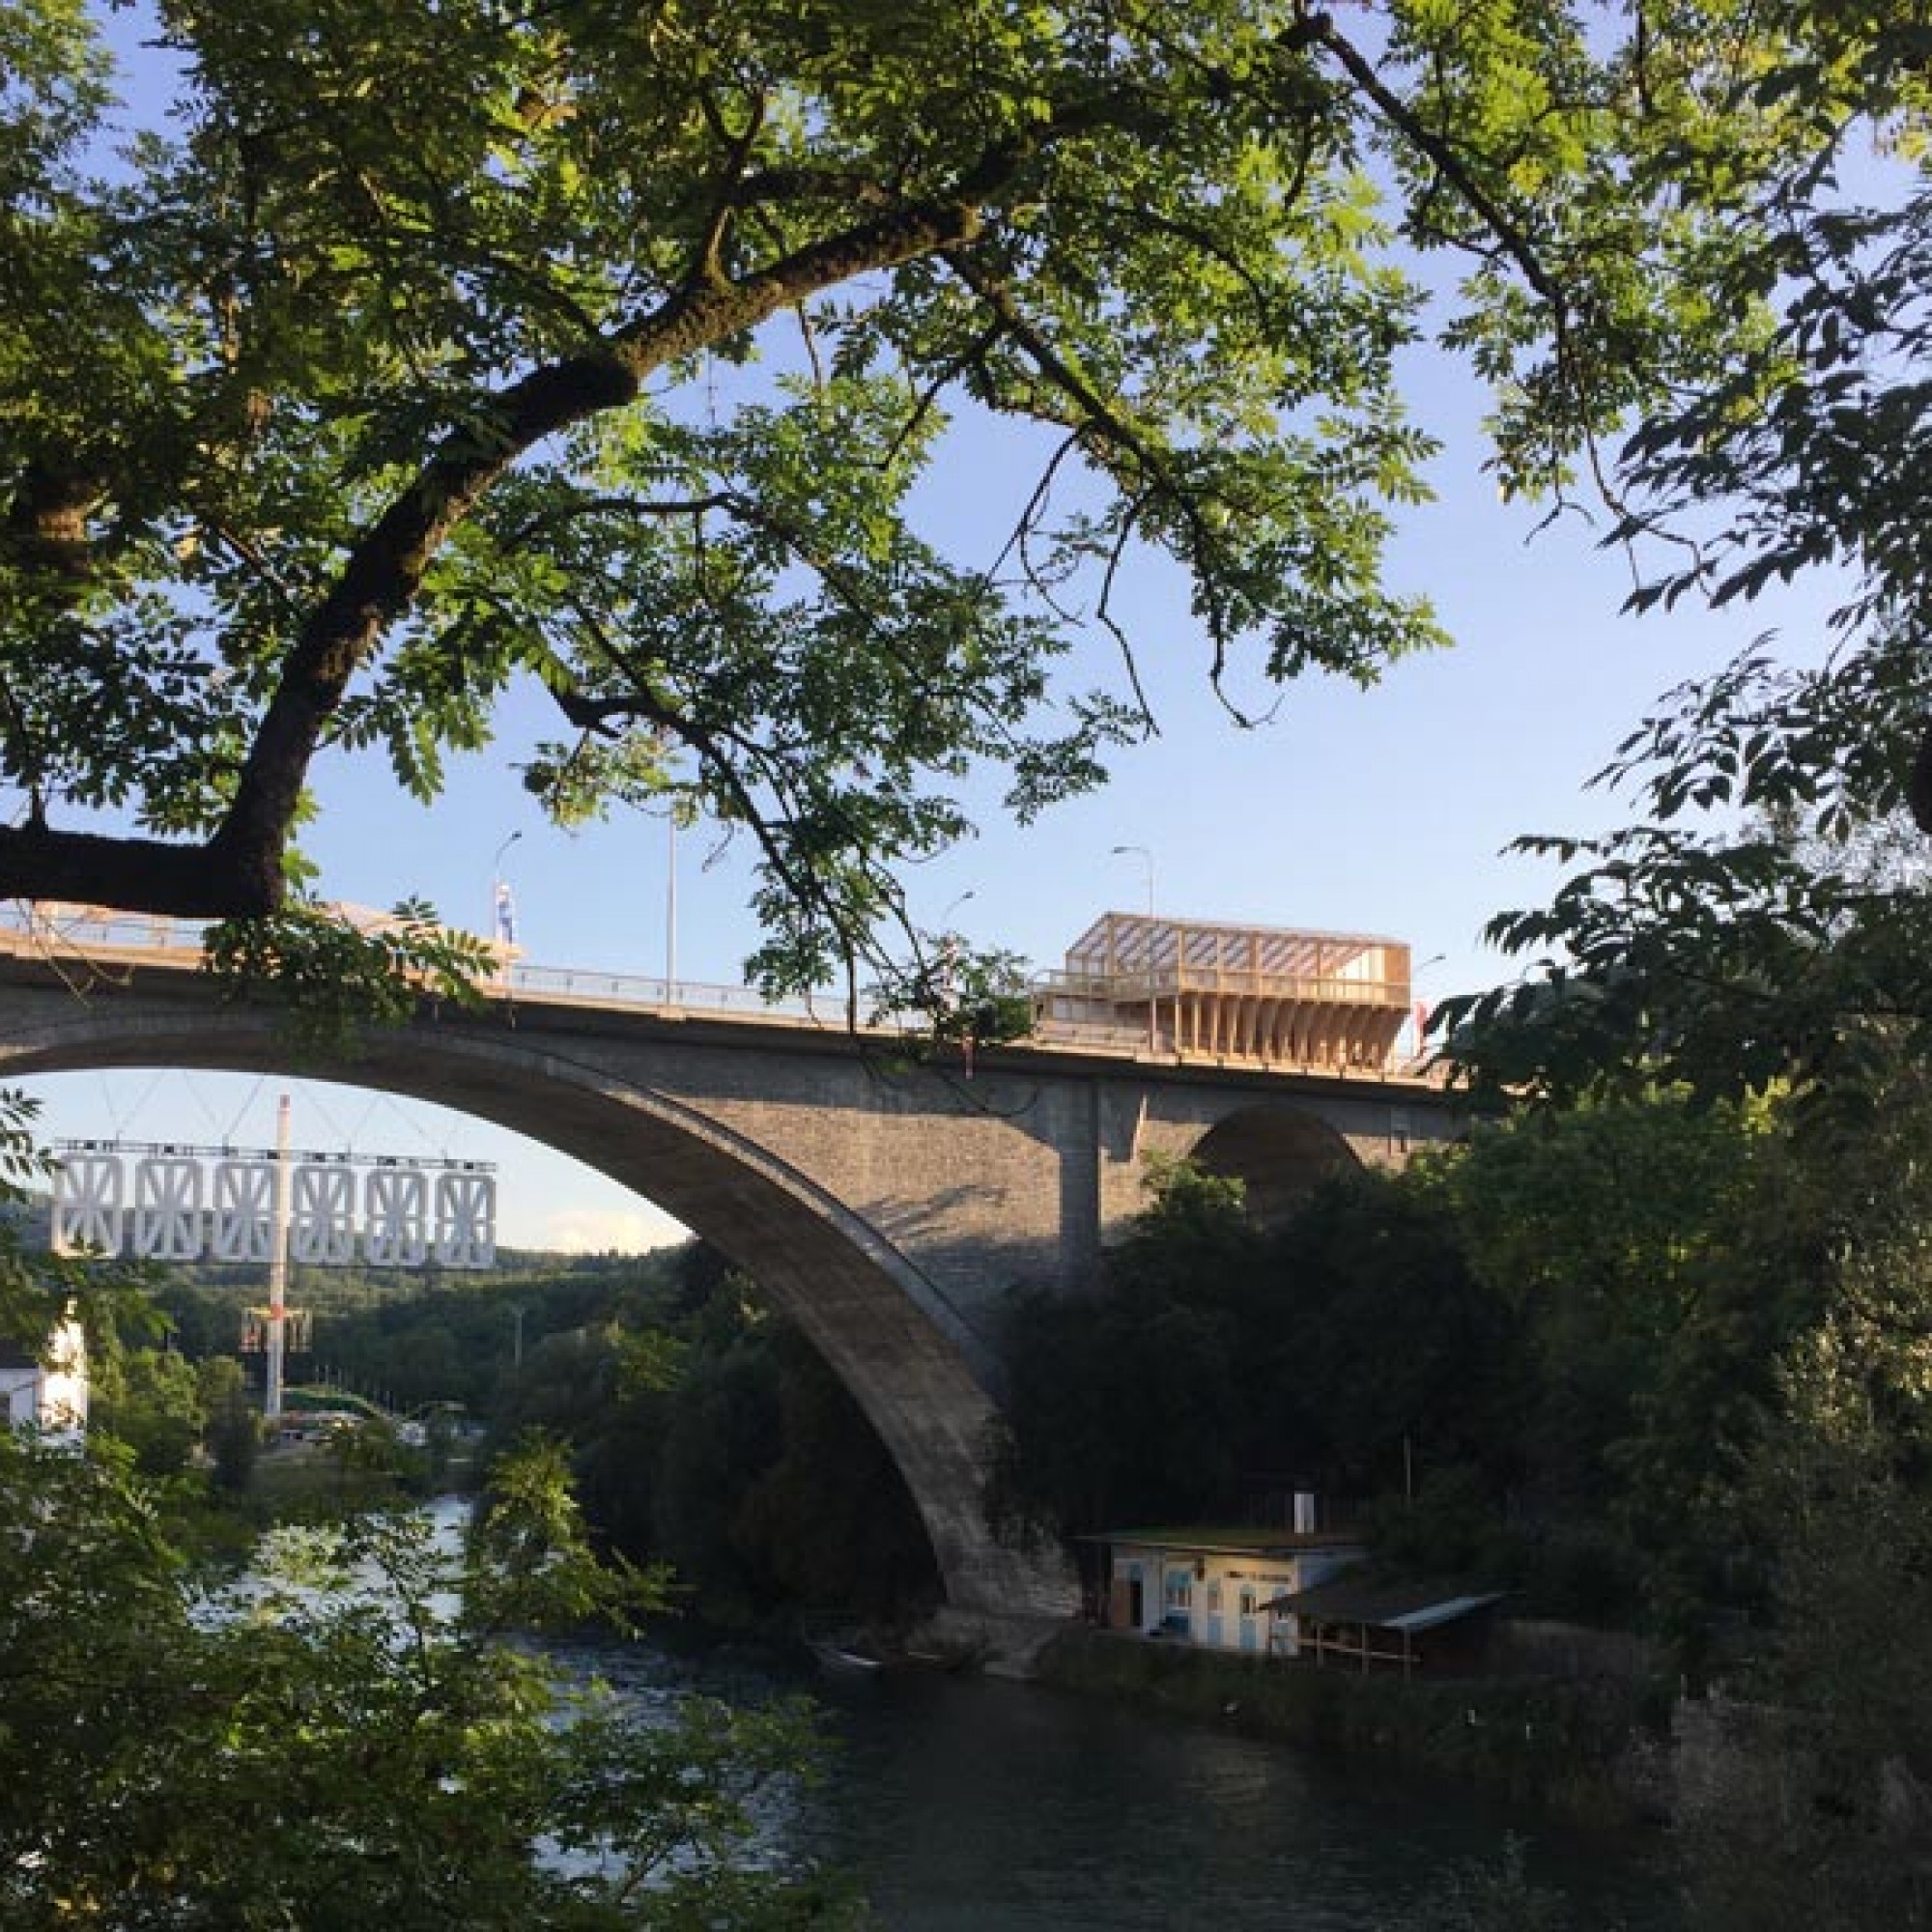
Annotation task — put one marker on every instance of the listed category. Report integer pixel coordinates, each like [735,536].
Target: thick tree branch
[239,870]
[130,874]
[385,572]
[1919,787]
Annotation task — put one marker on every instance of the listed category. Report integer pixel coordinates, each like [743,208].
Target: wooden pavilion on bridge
[1254,994]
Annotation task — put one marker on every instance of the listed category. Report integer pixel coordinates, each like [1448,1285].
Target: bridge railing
[114,938]
[1131,986]
[1083,1012]
[564,983]
[41,927]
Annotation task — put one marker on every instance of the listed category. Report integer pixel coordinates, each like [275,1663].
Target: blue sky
[1383,810]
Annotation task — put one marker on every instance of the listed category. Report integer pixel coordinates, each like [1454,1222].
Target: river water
[970,1802]
[974,1804]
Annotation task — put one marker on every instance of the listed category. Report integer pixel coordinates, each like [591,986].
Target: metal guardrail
[135,937]
[565,984]
[113,938]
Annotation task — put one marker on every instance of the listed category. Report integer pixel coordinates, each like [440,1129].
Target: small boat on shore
[841,1660]
[850,1648]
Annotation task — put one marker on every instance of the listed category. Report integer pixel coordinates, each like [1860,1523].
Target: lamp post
[671,907]
[949,952]
[1145,857]
[1418,1009]
[497,877]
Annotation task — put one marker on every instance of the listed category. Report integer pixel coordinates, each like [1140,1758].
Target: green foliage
[1255,1361]
[1151,1343]
[1834,1830]
[152,1401]
[157,1742]
[1758,928]
[158,1746]
[1403,1361]
[957,994]
[1543,1358]
[1648,1248]
[330,975]
[1500,1898]
[1750,928]
[419,1336]
[38,1289]
[385,375]
[370,1466]
[1547,1747]
[529,1541]
[707,1433]
[233,1434]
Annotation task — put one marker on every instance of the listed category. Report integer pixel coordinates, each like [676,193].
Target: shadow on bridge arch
[881,1326]
[1278,1152]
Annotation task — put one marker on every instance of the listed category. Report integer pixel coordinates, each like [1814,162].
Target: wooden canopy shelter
[1202,989]
[1442,1628]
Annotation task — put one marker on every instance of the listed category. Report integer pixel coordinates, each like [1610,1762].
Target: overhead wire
[312,1098]
[254,1094]
[134,1112]
[202,1101]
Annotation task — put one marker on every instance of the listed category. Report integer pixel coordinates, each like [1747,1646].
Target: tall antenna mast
[278,1270]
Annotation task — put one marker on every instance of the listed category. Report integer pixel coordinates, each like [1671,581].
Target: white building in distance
[47,1391]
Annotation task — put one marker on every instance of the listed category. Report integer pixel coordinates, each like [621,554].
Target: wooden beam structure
[1244,995]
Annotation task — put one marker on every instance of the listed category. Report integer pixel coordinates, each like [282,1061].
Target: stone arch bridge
[886,1205]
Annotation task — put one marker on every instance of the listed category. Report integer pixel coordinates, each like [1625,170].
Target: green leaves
[643,356]
[958,994]
[386,376]
[159,1742]
[329,974]
[532,1565]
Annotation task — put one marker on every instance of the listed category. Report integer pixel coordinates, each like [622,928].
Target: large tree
[1762,920]
[376,374]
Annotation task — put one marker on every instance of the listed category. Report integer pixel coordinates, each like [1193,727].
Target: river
[969,1802]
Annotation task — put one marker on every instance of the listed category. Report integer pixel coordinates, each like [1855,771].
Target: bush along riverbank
[1592,1752]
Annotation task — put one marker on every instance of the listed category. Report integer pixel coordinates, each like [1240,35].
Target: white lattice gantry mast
[278,1271]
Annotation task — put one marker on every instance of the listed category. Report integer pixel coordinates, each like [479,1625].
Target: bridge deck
[1280,1023]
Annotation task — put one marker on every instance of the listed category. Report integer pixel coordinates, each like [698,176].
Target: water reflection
[964,1802]
[969,1802]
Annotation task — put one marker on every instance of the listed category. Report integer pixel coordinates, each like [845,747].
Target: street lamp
[497,877]
[1418,1009]
[670,905]
[1145,857]
[502,907]
[948,951]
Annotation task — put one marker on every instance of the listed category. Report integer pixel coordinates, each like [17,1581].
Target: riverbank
[1588,1753]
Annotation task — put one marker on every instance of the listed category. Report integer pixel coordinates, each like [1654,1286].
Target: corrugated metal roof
[1395,1606]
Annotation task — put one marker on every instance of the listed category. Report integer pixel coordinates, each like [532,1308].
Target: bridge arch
[912,1365]
[1278,1152]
